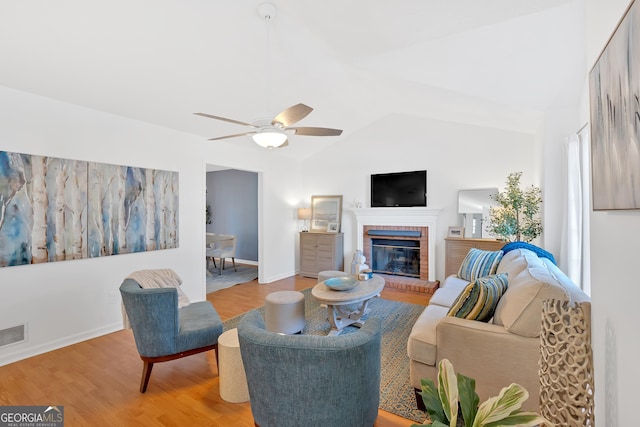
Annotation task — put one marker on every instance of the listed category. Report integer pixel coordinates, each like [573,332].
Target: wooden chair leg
[215,349]
[146,374]
[234,264]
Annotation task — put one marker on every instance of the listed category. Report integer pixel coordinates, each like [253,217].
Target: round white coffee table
[337,302]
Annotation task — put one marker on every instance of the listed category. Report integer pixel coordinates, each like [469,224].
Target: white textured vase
[566,364]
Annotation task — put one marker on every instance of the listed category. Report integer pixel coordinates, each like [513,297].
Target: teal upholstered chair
[164,332]
[309,380]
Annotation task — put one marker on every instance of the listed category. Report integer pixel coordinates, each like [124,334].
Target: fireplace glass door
[396,257]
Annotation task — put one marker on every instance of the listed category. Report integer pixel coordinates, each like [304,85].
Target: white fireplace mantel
[417,217]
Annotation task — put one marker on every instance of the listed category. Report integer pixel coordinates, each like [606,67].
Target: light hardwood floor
[97,380]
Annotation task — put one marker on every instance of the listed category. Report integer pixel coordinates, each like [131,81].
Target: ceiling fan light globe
[269,138]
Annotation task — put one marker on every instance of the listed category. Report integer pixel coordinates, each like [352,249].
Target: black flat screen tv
[399,189]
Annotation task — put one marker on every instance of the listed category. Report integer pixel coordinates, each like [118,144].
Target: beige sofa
[500,352]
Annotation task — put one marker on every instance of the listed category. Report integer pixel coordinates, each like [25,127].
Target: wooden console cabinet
[457,249]
[321,252]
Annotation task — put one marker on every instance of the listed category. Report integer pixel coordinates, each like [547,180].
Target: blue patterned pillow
[479,299]
[479,263]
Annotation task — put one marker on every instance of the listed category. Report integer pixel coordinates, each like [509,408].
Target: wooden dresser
[321,252]
[457,249]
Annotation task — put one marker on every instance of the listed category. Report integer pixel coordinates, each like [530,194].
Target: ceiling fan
[274,134]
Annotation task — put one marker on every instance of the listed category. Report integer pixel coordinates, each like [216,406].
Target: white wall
[614,289]
[70,301]
[456,156]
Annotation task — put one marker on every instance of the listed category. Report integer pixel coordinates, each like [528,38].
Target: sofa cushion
[513,262]
[479,263]
[520,308]
[479,299]
[421,345]
[576,295]
[448,291]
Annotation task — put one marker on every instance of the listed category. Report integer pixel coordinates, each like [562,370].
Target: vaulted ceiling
[355,62]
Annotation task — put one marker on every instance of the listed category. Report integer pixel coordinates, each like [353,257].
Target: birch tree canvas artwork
[131,209]
[55,209]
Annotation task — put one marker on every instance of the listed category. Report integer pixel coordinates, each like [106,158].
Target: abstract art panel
[614,88]
[43,206]
[55,209]
[131,209]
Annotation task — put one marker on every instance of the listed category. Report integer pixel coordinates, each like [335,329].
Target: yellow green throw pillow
[479,299]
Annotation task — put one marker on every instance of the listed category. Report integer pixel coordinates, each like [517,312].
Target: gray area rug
[228,278]
[396,394]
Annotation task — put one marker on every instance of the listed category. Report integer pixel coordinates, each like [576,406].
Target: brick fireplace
[409,229]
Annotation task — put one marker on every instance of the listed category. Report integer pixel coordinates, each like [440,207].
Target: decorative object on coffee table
[566,364]
[341,283]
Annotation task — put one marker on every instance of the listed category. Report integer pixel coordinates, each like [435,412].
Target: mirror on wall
[473,206]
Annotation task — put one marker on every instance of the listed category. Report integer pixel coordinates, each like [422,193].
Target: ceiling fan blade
[231,136]
[311,131]
[224,119]
[292,115]
[284,144]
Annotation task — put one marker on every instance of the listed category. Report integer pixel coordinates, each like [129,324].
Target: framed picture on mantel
[326,210]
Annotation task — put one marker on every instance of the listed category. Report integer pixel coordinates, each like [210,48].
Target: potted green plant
[516,218]
[455,403]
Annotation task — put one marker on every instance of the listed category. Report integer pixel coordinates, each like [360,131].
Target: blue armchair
[164,332]
[308,380]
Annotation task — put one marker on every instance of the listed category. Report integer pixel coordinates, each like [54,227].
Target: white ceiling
[355,62]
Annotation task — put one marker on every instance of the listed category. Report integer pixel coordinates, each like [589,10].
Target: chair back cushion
[153,315]
[297,380]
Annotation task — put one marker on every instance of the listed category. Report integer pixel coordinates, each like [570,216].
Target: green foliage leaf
[448,390]
[516,216]
[500,407]
[500,411]
[431,400]
[469,399]
[522,419]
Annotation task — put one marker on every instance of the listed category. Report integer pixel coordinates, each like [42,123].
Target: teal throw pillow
[479,263]
[479,299]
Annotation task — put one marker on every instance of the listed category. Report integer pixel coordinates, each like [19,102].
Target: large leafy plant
[454,402]
[516,218]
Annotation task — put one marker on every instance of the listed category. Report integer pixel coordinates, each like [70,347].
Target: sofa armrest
[491,355]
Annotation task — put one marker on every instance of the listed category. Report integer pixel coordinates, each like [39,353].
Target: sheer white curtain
[575,231]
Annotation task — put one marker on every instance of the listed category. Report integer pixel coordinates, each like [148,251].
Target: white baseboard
[24,353]
[247,262]
[278,277]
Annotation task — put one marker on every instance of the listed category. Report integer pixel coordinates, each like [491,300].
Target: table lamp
[305,215]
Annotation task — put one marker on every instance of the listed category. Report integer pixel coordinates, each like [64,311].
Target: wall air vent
[12,335]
